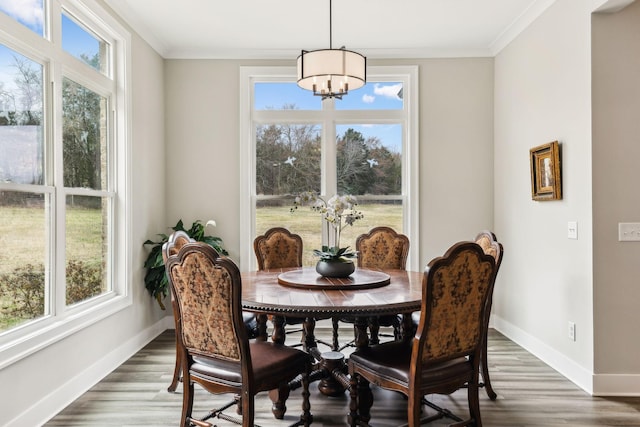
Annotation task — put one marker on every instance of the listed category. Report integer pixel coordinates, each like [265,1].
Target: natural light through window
[62,144]
[357,146]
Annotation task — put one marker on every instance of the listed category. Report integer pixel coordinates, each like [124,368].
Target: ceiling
[281,28]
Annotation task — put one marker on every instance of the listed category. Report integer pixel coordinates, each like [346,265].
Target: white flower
[338,211]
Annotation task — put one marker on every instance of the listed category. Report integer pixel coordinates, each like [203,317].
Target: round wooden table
[305,294]
[264,295]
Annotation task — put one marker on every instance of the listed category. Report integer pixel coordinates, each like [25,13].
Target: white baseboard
[575,373]
[594,384]
[616,385]
[46,408]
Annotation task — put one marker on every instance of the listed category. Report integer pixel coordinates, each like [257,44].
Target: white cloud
[390,91]
[368,99]
[28,12]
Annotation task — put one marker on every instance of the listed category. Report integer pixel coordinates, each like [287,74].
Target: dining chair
[444,354]
[279,248]
[216,352]
[171,248]
[489,243]
[384,249]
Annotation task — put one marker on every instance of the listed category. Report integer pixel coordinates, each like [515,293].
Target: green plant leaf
[155,279]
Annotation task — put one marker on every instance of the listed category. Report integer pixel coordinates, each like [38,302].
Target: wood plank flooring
[529,394]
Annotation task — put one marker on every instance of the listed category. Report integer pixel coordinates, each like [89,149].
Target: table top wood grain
[308,278]
[261,293]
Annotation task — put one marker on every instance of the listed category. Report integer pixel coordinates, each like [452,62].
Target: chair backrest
[208,293]
[278,248]
[455,288]
[382,248]
[490,245]
[177,240]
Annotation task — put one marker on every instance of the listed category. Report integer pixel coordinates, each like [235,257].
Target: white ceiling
[281,28]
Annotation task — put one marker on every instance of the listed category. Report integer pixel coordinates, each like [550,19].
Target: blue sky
[372,96]
[75,39]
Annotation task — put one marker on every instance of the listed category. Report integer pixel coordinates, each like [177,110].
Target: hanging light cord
[330,27]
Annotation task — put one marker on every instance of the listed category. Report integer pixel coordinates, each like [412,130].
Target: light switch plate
[629,231]
[572,230]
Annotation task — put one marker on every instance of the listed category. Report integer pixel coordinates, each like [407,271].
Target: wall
[456,120]
[616,147]
[542,94]
[39,386]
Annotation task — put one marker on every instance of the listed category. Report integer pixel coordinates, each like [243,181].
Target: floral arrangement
[338,212]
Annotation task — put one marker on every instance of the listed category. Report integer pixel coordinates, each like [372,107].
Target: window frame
[408,117]
[62,320]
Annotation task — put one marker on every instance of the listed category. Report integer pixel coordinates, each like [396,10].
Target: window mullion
[57,229]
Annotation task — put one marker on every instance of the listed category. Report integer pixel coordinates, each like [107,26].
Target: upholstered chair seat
[488,241]
[284,363]
[382,248]
[444,354]
[279,248]
[179,239]
[213,343]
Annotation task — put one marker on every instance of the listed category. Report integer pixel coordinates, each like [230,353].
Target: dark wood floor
[529,394]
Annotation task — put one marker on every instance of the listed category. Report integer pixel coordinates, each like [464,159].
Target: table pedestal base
[332,362]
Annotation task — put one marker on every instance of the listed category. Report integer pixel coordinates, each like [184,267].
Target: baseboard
[46,408]
[616,385]
[568,368]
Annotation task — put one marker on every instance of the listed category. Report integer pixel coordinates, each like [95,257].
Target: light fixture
[331,73]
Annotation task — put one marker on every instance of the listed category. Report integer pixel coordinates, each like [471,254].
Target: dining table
[301,292]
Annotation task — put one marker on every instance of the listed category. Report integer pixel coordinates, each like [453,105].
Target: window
[61,149]
[364,145]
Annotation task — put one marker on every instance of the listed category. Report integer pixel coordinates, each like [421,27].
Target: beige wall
[542,84]
[40,385]
[456,151]
[616,148]
[543,93]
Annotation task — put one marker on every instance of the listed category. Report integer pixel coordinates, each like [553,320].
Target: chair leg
[484,365]
[352,418]
[361,401]
[248,411]
[187,403]
[335,323]
[176,370]
[308,333]
[374,331]
[279,398]
[306,418]
[178,367]
[474,404]
[414,409]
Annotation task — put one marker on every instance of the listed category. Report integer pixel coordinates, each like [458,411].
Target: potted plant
[155,280]
[338,212]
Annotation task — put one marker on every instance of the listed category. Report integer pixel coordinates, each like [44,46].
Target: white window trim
[18,343]
[410,178]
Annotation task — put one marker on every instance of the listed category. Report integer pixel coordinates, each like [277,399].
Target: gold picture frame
[546,174]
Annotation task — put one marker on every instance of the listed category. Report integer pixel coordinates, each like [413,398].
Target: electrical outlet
[572,331]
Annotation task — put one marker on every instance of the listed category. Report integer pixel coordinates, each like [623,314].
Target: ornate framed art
[546,173]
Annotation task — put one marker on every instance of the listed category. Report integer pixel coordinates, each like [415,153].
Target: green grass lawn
[308,224]
[23,237]
[23,230]
[23,233]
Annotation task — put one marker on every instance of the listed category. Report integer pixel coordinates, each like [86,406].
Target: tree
[287,158]
[353,171]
